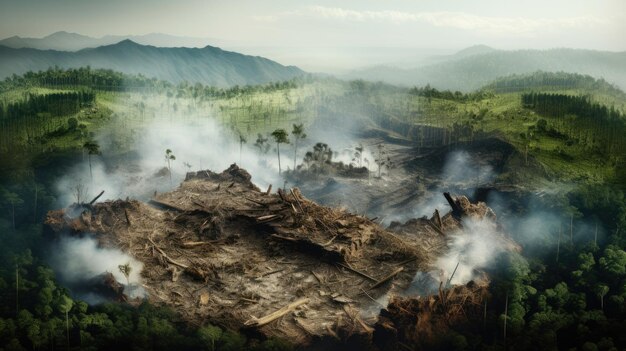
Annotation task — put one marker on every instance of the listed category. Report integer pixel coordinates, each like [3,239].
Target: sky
[340,27]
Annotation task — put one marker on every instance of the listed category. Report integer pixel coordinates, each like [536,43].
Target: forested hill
[554,81]
[471,72]
[208,65]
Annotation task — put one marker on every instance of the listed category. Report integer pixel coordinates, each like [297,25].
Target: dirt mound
[219,249]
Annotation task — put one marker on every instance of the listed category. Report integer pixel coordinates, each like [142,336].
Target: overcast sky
[432,24]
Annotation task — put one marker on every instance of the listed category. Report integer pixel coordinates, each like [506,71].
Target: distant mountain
[474,67]
[473,50]
[208,65]
[64,41]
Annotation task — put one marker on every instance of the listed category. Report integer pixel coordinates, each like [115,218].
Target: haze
[331,36]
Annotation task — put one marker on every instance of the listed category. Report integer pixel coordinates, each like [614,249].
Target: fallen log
[259,322]
[96,198]
[165,206]
[127,217]
[166,257]
[189,244]
[387,278]
[269,190]
[268,218]
[295,197]
[357,272]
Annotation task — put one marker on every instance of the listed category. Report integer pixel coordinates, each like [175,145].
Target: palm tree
[92,149]
[169,157]
[298,134]
[280,137]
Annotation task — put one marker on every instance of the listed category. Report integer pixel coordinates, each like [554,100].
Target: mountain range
[66,41]
[208,65]
[476,66]
[465,70]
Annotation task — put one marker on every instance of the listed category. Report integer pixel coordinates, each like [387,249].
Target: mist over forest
[301,177]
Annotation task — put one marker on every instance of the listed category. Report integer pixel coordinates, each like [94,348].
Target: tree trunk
[278,150]
[295,153]
[35,209]
[67,328]
[506,312]
[558,244]
[17,290]
[602,302]
[571,229]
[90,172]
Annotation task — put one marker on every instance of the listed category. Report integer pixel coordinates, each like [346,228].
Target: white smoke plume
[472,249]
[77,260]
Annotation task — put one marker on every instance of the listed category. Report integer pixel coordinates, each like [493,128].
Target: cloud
[456,20]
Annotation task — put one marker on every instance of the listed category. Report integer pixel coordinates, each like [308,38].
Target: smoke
[78,260]
[461,167]
[196,144]
[471,250]
[461,174]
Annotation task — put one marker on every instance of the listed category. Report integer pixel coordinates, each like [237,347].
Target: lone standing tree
[92,149]
[280,137]
[169,157]
[298,134]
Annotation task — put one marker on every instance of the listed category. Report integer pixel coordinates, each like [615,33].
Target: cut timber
[387,278]
[196,243]
[268,218]
[269,190]
[96,198]
[127,217]
[357,272]
[165,206]
[259,322]
[166,257]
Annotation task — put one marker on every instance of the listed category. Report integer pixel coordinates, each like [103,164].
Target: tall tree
[280,137]
[169,157]
[65,305]
[298,134]
[92,149]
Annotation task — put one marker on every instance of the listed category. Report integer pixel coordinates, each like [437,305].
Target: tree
[242,140]
[261,144]
[358,155]
[382,159]
[15,200]
[169,157]
[65,305]
[78,190]
[209,334]
[280,137]
[601,290]
[125,269]
[298,134]
[92,149]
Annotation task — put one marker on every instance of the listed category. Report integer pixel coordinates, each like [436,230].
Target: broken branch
[387,278]
[259,322]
